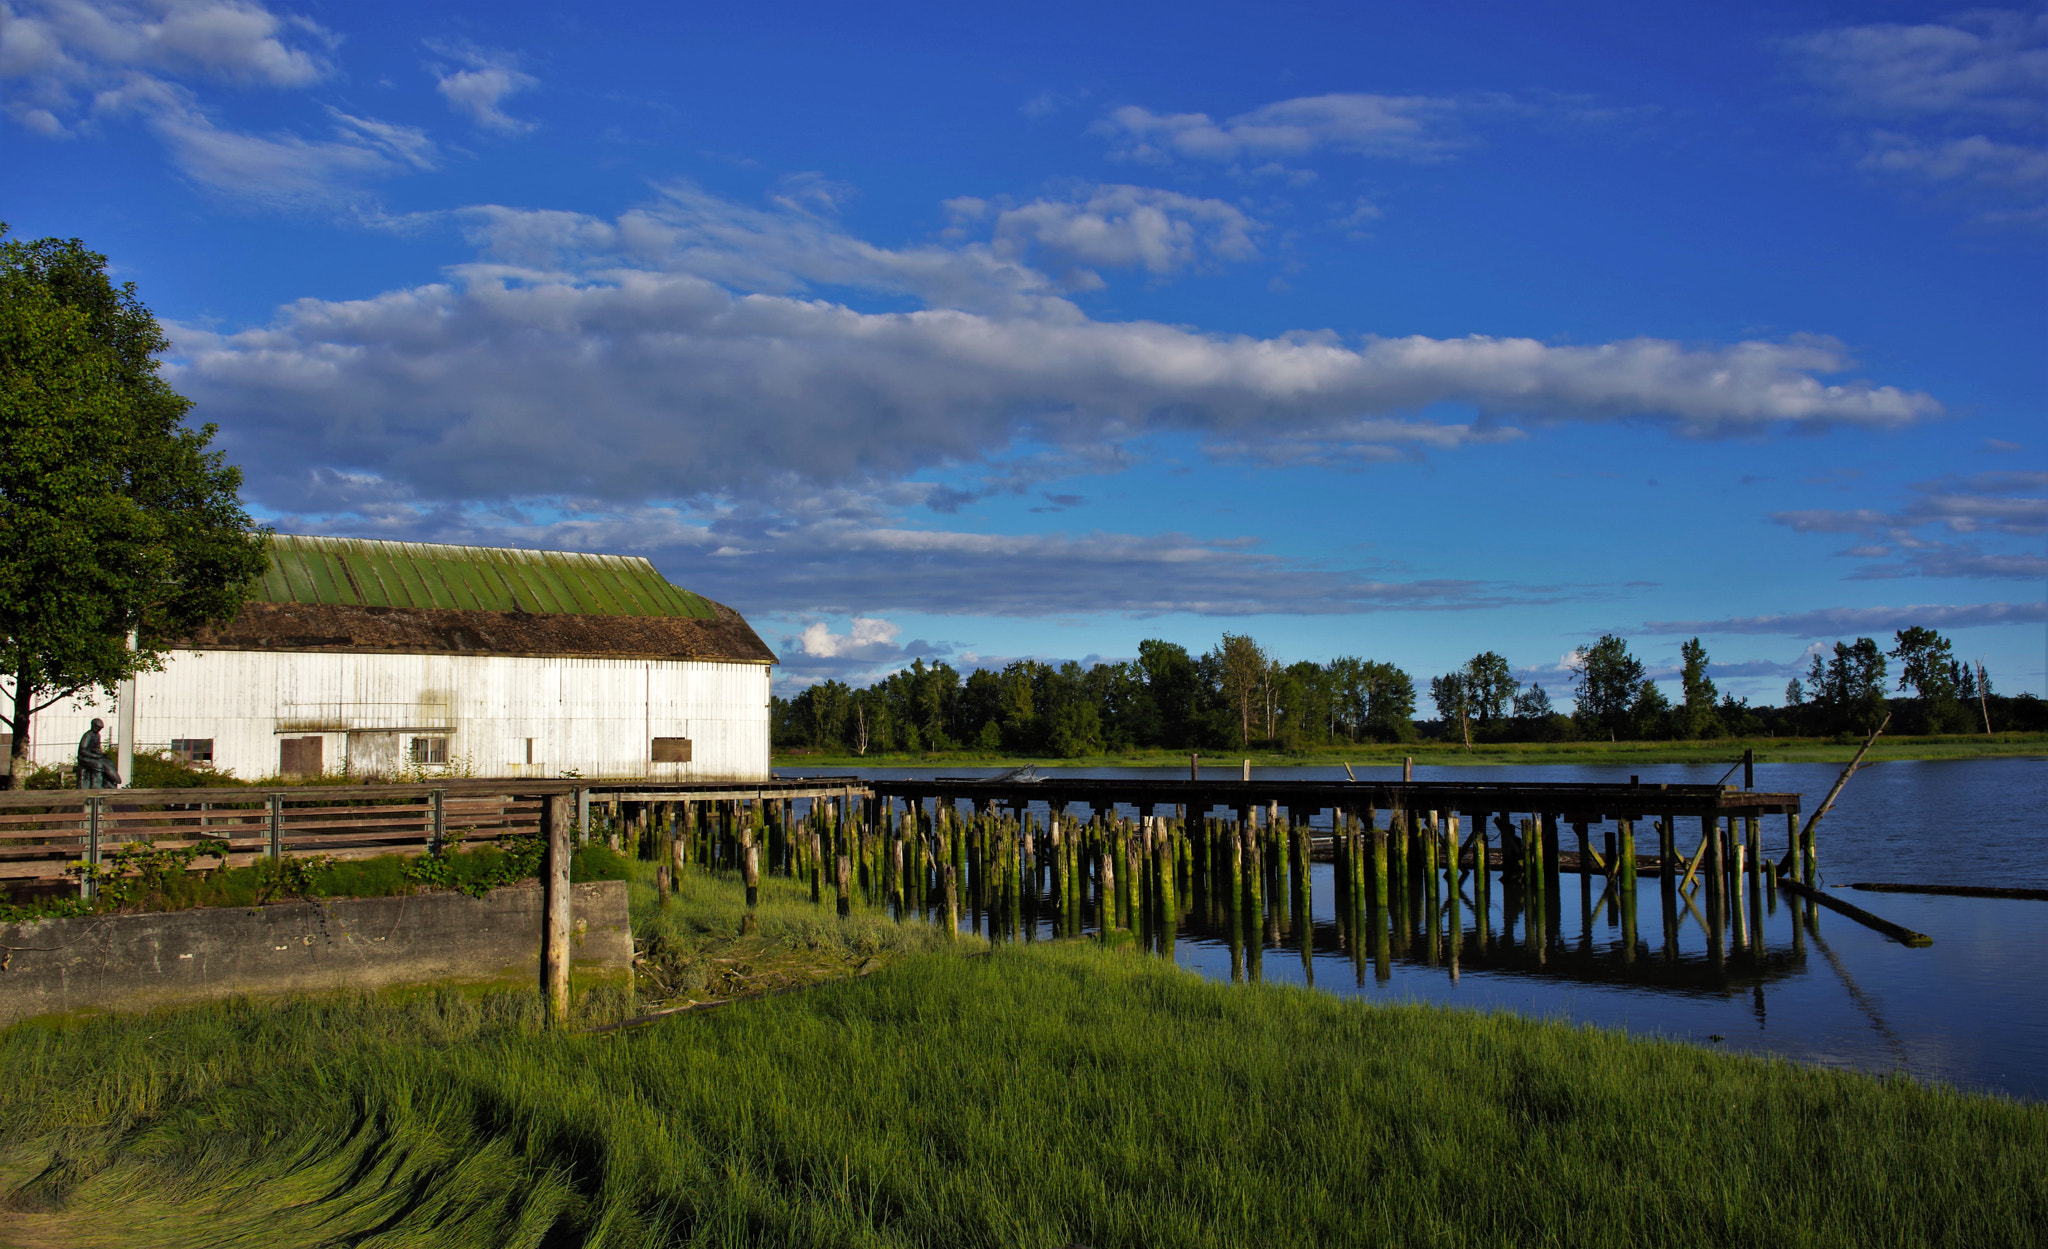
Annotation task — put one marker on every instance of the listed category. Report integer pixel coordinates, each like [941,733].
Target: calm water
[1969,1010]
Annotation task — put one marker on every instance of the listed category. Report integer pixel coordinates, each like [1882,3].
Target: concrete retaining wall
[133,962]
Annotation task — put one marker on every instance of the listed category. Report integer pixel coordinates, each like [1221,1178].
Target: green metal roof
[361,573]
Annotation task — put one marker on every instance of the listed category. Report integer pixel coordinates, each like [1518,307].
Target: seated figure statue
[95,770]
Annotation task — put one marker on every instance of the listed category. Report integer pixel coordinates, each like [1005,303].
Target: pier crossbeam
[1591,802]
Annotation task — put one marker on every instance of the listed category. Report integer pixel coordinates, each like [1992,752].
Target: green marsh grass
[1037,1095]
[698,948]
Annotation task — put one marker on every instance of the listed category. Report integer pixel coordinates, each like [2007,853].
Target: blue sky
[979,332]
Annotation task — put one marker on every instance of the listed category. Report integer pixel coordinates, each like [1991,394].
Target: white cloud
[1979,506]
[1972,158]
[276,169]
[1115,227]
[868,638]
[57,54]
[1962,101]
[1838,621]
[631,357]
[481,82]
[2004,502]
[1410,127]
[808,552]
[69,65]
[1987,63]
[1359,443]
[787,250]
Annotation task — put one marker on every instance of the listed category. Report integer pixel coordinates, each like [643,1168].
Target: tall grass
[700,946]
[1035,1095]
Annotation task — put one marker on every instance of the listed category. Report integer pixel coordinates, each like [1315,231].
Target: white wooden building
[388,658]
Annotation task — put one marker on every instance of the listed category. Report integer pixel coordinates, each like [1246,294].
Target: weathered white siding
[595,717]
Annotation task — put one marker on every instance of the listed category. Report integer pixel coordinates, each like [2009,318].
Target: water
[1968,1010]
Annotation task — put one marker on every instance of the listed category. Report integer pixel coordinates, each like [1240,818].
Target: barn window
[429,750]
[192,749]
[529,750]
[671,750]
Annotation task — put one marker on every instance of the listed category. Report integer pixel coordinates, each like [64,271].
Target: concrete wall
[597,717]
[134,962]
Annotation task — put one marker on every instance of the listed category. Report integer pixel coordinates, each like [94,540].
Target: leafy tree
[1605,681]
[1452,694]
[1074,719]
[1927,666]
[1737,719]
[1489,687]
[1174,687]
[118,517]
[1349,694]
[1390,702]
[1242,667]
[1847,691]
[981,708]
[1533,703]
[1649,715]
[1697,718]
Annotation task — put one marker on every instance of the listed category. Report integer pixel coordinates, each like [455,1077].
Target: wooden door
[300,756]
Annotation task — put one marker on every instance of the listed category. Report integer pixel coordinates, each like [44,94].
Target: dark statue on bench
[95,770]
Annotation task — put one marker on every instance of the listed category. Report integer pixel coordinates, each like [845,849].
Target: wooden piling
[842,878]
[556,820]
[750,872]
[1105,878]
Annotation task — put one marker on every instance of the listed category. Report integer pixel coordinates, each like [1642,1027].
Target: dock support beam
[554,945]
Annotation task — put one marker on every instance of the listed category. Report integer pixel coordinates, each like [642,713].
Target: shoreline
[1724,751]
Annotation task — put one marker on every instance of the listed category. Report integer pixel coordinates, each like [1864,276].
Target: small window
[671,750]
[429,750]
[529,750]
[192,749]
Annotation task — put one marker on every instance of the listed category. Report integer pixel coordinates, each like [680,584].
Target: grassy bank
[698,949]
[1031,1096]
[1437,754]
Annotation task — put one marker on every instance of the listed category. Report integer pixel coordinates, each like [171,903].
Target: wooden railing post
[276,821]
[439,817]
[554,945]
[89,885]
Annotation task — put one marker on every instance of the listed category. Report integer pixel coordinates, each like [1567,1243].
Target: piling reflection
[1425,891]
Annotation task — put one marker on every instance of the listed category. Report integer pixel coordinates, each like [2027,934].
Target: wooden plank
[1897,932]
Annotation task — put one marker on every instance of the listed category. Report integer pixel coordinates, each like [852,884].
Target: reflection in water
[1260,890]
[1639,956]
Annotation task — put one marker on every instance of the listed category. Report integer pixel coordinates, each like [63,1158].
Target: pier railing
[44,833]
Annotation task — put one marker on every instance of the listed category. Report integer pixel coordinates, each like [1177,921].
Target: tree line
[1237,695]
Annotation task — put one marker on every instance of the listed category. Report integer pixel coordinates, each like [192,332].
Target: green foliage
[1650,715]
[139,872]
[1846,694]
[1050,1094]
[160,769]
[1928,667]
[1696,717]
[477,872]
[118,517]
[1238,697]
[591,861]
[1606,681]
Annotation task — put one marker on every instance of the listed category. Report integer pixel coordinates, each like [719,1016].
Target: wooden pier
[1121,859]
